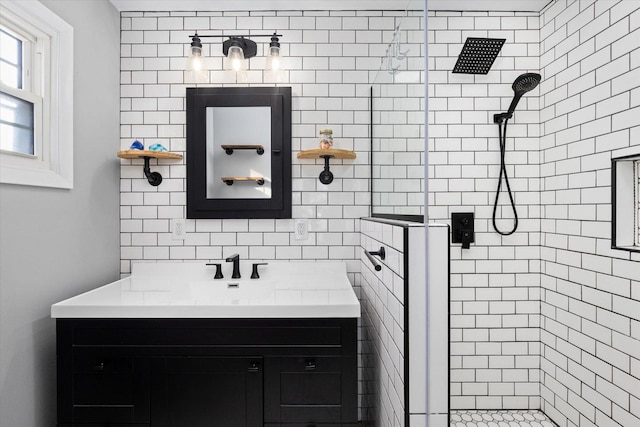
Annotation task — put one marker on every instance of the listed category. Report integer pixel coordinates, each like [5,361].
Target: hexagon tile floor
[476,418]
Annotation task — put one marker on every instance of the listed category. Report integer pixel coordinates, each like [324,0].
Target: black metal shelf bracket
[154,178]
[326,176]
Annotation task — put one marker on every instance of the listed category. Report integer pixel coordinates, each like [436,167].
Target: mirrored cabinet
[239,152]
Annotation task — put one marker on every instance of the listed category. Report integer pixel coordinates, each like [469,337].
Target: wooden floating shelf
[229,148]
[140,154]
[154,178]
[326,176]
[319,153]
[229,180]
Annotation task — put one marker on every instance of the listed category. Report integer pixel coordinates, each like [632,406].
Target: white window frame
[52,87]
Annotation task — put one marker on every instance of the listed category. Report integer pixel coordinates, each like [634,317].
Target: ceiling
[222,5]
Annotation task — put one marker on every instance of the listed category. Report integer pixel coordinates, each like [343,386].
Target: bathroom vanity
[171,346]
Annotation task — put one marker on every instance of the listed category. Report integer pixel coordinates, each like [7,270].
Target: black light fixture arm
[243,41]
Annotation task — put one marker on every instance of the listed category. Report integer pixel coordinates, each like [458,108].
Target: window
[36,96]
[625,202]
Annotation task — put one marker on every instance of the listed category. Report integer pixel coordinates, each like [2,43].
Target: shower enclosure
[405,352]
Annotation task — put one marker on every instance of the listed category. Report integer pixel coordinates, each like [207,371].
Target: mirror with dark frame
[239,152]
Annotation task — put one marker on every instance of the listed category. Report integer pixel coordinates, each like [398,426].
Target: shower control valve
[462,228]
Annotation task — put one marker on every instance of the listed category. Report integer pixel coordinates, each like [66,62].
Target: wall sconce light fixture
[236,49]
[195,62]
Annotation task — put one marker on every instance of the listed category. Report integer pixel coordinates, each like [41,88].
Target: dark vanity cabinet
[207,372]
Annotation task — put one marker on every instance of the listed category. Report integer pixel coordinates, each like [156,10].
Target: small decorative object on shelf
[158,147]
[326,176]
[136,145]
[326,139]
[154,178]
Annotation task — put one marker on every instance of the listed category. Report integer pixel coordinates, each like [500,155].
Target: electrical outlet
[179,228]
[302,229]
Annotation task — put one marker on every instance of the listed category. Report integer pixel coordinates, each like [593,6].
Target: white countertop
[298,289]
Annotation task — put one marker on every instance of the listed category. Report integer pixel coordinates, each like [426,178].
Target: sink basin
[222,292]
[188,290]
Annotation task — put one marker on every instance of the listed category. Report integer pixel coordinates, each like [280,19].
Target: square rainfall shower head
[477,55]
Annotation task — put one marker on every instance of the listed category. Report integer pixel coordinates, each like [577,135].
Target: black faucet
[235,258]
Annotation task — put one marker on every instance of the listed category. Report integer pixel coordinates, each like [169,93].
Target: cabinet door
[310,390]
[206,391]
[105,389]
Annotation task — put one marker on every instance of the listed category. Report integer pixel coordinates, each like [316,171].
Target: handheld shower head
[524,83]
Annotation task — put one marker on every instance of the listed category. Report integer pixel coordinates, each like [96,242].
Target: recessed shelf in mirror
[229,180]
[229,148]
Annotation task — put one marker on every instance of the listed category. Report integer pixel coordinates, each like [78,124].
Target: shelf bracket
[326,176]
[154,178]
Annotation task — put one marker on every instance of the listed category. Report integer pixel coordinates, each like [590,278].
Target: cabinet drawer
[104,415]
[102,424]
[305,389]
[199,332]
[311,424]
[310,381]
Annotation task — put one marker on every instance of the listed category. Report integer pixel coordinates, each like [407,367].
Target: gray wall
[57,243]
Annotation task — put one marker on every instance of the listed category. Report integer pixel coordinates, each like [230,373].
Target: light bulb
[235,59]
[274,61]
[196,61]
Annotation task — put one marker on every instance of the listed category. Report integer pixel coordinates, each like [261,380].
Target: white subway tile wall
[590,367]
[495,285]
[383,326]
[331,60]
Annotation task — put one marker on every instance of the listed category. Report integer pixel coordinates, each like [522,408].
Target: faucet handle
[254,270]
[218,270]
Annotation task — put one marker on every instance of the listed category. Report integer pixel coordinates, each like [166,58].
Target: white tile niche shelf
[625,202]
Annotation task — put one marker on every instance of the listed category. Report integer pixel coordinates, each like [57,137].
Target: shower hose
[502,136]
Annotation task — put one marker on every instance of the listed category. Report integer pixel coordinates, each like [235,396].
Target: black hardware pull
[98,366]
[310,365]
[253,367]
